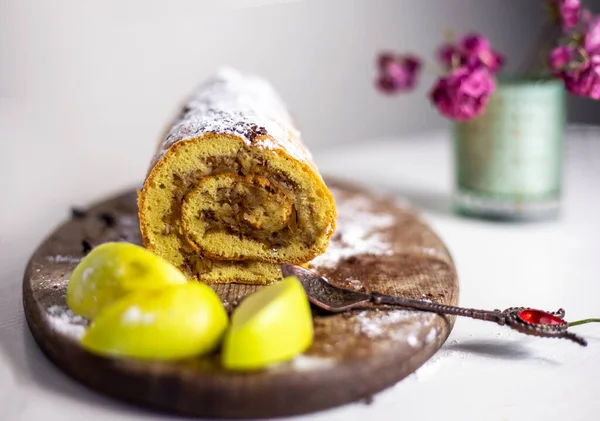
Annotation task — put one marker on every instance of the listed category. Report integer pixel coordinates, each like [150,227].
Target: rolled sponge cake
[232,192]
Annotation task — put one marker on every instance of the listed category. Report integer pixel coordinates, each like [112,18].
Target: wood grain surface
[354,355]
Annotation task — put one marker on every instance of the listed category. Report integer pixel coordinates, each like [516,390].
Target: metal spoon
[526,320]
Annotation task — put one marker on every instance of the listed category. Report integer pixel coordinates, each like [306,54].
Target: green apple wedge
[172,323]
[270,326]
[113,270]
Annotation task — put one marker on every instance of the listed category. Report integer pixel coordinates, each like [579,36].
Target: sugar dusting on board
[431,336]
[360,230]
[305,362]
[308,362]
[64,321]
[239,104]
[59,258]
[397,325]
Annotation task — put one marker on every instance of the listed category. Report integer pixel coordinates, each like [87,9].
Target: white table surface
[483,372]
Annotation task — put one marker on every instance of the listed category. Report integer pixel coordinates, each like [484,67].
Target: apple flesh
[270,326]
[172,323]
[113,270]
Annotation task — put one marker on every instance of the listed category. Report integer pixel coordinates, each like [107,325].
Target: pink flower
[464,93]
[473,50]
[585,79]
[569,12]
[448,55]
[578,64]
[476,51]
[473,44]
[565,12]
[397,73]
[560,58]
[412,63]
[579,70]
[591,40]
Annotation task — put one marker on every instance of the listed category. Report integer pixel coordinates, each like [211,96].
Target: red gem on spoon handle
[538,317]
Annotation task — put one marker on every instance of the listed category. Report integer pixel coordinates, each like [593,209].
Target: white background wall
[78,72]
[88,85]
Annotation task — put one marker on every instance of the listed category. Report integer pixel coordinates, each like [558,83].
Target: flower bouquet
[508,130]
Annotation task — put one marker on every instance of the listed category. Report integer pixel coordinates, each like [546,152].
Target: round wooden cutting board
[379,245]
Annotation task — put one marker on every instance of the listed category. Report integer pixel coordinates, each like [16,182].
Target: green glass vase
[508,161]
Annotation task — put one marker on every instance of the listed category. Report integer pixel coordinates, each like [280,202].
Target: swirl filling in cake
[232,192]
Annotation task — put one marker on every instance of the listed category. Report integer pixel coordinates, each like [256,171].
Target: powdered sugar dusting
[355,284]
[64,321]
[413,340]
[243,105]
[307,362]
[374,325]
[428,251]
[431,336]
[360,230]
[63,259]
[398,325]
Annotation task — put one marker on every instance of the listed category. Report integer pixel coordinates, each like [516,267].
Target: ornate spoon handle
[546,324]
[473,313]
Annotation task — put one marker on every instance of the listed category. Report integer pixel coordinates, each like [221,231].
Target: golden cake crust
[237,238]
